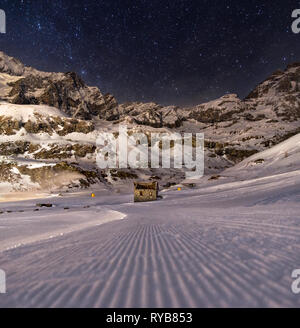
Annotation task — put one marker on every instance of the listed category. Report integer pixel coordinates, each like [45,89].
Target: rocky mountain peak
[293,65]
[65,91]
[287,82]
[11,65]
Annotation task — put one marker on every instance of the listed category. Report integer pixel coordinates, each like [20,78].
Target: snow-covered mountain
[49,123]
[66,91]
[280,159]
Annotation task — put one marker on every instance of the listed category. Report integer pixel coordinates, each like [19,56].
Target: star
[151,50]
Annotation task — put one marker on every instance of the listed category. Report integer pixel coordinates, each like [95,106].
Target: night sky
[179,52]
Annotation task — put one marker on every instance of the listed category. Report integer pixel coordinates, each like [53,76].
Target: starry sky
[180,52]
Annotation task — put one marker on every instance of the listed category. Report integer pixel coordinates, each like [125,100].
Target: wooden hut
[145,191]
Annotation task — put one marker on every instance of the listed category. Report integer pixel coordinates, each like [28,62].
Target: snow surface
[25,113]
[233,242]
[282,158]
[222,246]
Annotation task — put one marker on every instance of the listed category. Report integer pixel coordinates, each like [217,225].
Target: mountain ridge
[66,116]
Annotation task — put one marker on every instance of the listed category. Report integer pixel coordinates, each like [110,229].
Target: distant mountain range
[49,123]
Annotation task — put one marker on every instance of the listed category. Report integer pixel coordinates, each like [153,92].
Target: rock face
[68,92]
[11,65]
[151,114]
[227,108]
[267,116]
[65,91]
[280,93]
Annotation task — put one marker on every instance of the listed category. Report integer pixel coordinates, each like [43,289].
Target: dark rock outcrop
[65,91]
[151,114]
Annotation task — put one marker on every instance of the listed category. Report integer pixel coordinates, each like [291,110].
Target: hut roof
[146,185]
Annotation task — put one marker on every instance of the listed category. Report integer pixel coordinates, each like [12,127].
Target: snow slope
[49,224]
[231,244]
[25,113]
[282,158]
